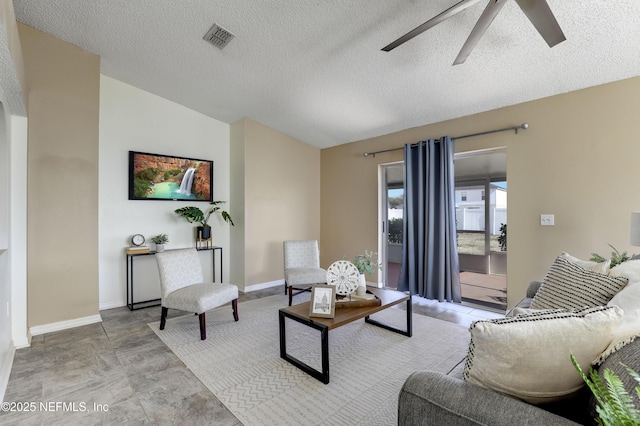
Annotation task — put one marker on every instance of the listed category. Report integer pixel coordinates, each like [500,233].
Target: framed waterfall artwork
[166,177]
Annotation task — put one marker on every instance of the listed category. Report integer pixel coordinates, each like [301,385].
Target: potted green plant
[195,215]
[502,238]
[366,265]
[160,240]
[616,257]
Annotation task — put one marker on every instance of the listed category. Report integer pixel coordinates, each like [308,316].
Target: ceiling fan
[537,11]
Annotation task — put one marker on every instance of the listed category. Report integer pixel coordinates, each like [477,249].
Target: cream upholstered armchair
[302,267]
[182,287]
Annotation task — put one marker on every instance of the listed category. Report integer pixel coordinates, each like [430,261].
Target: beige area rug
[240,363]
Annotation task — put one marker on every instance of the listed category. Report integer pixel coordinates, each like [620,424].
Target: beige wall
[236,199]
[281,196]
[62,221]
[578,160]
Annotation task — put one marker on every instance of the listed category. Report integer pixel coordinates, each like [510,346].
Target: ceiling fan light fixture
[487,17]
[541,16]
[537,11]
[218,36]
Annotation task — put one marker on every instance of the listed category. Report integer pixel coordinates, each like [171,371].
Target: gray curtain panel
[429,253]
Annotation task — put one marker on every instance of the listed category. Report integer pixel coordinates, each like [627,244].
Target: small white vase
[362,286]
[159,248]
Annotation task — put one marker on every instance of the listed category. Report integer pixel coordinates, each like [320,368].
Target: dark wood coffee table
[300,313]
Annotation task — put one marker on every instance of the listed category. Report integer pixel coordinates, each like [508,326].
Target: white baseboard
[262,286]
[5,370]
[22,343]
[111,305]
[64,325]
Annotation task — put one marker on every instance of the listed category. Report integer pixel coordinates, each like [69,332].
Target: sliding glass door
[471,215]
[481,223]
[481,217]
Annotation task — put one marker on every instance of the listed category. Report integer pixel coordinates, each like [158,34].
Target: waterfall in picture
[187,181]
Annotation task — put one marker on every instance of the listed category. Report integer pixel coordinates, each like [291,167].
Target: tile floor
[488,291]
[119,371]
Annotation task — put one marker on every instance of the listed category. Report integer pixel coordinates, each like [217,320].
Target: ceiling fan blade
[478,31]
[458,7]
[540,15]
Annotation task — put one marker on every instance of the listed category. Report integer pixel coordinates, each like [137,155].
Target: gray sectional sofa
[432,398]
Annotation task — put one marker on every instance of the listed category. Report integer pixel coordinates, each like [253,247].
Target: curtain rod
[506,129]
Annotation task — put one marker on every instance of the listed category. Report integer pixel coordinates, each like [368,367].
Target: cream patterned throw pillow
[529,356]
[568,285]
[628,299]
[601,267]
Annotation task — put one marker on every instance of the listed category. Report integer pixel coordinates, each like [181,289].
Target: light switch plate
[546,220]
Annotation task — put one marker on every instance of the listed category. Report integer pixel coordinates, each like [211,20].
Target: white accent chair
[182,287]
[302,267]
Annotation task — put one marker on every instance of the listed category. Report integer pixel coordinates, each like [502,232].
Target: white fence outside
[471,218]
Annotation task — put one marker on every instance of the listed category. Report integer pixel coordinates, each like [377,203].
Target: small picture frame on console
[323,301]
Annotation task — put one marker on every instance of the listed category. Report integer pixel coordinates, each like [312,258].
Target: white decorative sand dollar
[344,276]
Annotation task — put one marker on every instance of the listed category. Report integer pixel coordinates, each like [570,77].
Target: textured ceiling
[314,69]
[10,87]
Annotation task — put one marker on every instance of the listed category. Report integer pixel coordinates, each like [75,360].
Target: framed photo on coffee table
[323,301]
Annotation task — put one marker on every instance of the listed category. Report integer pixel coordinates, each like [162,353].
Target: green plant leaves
[160,239]
[615,405]
[616,257]
[192,214]
[365,263]
[195,215]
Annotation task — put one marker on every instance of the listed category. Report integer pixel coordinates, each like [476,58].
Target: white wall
[13,278]
[6,346]
[5,159]
[132,119]
[18,234]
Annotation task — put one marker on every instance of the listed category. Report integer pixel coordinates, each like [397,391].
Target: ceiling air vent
[218,36]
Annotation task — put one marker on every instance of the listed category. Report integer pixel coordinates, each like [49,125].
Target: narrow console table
[155,302]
